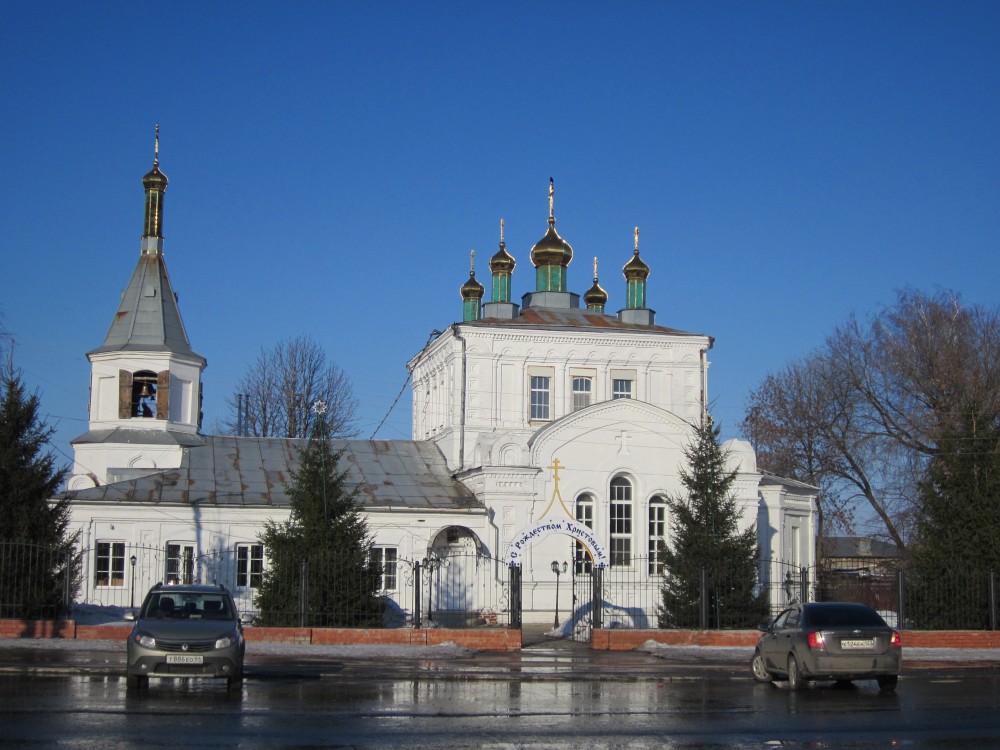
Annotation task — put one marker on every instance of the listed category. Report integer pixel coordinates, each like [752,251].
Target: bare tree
[862,416]
[275,397]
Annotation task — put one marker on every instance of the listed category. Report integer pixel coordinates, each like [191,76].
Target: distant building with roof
[543,432]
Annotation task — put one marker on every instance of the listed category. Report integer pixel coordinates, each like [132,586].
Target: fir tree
[705,536]
[34,528]
[958,540]
[323,551]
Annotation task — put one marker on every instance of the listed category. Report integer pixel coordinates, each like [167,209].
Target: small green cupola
[502,267]
[636,272]
[551,254]
[472,293]
[595,298]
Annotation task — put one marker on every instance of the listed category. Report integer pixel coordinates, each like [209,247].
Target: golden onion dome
[472,289]
[502,261]
[155,179]
[636,268]
[551,250]
[595,295]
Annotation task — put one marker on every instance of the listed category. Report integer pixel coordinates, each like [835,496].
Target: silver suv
[185,631]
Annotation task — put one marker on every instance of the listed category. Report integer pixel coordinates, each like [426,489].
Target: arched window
[585,517]
[657,534]
[621,521]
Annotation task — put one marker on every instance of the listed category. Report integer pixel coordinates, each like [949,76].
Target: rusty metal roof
[249,471]
[552,317]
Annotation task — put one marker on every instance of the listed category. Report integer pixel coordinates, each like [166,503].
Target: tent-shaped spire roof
[148,318]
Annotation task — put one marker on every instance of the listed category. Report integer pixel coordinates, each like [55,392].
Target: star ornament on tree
[319,407]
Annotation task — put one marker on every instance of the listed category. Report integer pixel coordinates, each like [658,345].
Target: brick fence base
[482,639]
[621,639]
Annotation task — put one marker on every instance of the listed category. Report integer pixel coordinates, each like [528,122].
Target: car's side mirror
[130,616]
[764,627]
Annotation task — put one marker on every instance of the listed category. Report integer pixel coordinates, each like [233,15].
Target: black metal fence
[459,590]
[36,581]
[472,590]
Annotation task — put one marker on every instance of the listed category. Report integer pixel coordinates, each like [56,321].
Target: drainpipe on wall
[461,416]
[702,356]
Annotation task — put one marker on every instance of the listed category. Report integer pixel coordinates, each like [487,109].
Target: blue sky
[332,164]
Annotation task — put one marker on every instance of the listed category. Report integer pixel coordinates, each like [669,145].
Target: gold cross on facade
[555,491]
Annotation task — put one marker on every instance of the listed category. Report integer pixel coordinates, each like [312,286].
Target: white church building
[546,434]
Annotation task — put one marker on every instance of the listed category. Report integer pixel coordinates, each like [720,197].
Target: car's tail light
[895,641]
[816,640]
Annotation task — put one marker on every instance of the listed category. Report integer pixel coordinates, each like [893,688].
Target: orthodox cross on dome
[501,230]
[552,201]
[622,439]
[637,240]
[472,261]
[555,467]
[595,268]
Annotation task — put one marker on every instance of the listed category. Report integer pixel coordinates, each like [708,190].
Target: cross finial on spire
[156,145]
[472,261]
[501,230]
[552,202]
[637,240]
[595,269]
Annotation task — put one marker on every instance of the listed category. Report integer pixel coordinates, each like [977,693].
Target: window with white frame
[621,388]
[657,534]
[384,558]
[540,397]
[582,561]
[582,388]
[179,566]
[249,565]
[621,522]
[109,564]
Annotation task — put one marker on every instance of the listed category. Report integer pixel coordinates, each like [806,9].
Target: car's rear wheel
[760,673]
[795,680]
[887,681]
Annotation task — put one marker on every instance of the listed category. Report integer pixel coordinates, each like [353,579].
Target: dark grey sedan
[840,641]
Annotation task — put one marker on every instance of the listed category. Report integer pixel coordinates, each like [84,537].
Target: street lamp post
[131,596]
[558,571]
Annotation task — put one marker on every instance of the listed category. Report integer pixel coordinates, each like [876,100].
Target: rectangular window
[249,565]
[385,559]
[621,388]
[581,393]
[109,564]
[539,397]
[657,535]
[180,563]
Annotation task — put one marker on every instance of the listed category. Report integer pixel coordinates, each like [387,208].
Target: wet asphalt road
[931,709]
[553,694]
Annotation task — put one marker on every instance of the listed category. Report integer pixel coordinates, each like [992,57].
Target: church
[547,435]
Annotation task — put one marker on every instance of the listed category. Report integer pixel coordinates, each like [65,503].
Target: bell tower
[145,385]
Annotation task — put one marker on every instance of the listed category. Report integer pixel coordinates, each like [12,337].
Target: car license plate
[184,659]
[857,644]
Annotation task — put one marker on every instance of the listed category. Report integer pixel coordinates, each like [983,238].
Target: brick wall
[482,639]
